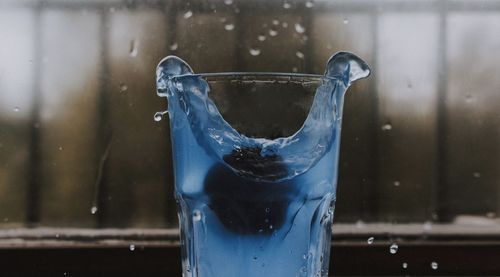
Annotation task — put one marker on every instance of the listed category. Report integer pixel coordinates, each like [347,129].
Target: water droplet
[360,224]
[254,51]
[123,87]
[228,2]
[434,265]
[196,215]
[60,148]
[405,265]
[284,25]
[346,21]
[370,240]
[159,115]
[286,5]
[299,55]
[93,210]
[427,226]
[173,46]
[393,249]
[271,227]
[188,14]
[295,69]
[133,49]
[386,127]
[476,174]
[309,4]
[112,9]
[261,38]
[268,210]
[229,27]
[16,109]
[273,32]
[276,22]
[299,28]
[131,247]
[397,183]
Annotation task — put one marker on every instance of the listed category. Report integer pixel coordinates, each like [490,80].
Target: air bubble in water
[254,51]
[188,14]
[173,46]
[299,28]
[273,32]
[133,48]
[405,265]
[93,210]
[196,215]
[370,240]
[261,37]
[309,4]
[229,27]
[434,265]
[299,55]
[393,249]
[131,247]
[386,127]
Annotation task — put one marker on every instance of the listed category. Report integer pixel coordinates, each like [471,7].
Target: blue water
[254,206]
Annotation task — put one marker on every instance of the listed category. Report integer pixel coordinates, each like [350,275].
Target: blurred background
[79,146]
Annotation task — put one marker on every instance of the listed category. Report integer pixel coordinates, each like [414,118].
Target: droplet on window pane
[188,14]
[393,249]
[299,28]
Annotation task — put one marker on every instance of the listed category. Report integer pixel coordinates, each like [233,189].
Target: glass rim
[260,76]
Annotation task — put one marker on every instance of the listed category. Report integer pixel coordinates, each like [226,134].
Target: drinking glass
[255,164]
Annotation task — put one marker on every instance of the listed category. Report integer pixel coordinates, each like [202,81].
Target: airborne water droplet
[123,87]
[476,174]
[434,265]
[346,21]
[93,210]
[188,14]
[286,5]
[386,127]
[229,27]
[276,22]
[393,249]
[397,183]
[284,25]
[173,46]
[16,109]
[273,32]
[261,37]
[131,247]
[299,55]
[405,265]
[370,240]
[309,4]
[299,28]
[133,48]
[254,51]
[228,2]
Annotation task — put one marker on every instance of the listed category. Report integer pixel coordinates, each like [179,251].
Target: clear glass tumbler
[255,165]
